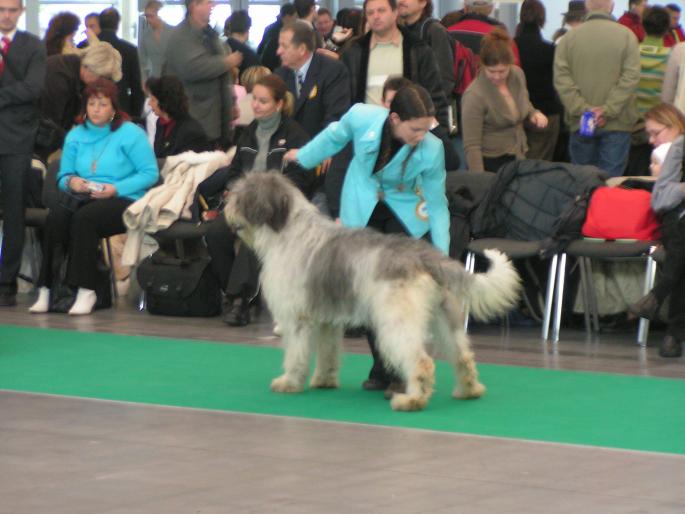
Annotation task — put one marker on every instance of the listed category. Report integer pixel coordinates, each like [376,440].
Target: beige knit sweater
[491,129]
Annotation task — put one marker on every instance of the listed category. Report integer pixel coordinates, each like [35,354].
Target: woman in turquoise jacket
[395,182]
[107,163]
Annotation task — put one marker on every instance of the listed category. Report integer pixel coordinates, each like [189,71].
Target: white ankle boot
[42,304]
[84,303]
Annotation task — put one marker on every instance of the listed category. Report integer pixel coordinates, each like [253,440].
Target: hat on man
[576,11]
[103,60]
[478,3]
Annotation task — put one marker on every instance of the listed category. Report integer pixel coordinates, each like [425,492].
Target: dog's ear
[265,203]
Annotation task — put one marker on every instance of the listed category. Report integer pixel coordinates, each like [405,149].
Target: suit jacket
[399,181]
[131,96]
[325,94]
[269,45]
[186,136]
[21,84]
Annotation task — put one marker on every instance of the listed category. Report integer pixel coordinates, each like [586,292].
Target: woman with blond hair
[495,107]
[261,148]
[665,124]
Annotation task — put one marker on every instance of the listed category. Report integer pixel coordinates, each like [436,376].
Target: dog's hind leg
[297,344]
[401,323]
[327,339]
[458,350]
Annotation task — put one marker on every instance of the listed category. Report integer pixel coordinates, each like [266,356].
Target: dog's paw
[471,393]
[324,382]
[407,403]
[283,384]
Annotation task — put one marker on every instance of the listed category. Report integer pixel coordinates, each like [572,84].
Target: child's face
[655,166]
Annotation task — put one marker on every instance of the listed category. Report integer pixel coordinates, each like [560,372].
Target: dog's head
[260,200]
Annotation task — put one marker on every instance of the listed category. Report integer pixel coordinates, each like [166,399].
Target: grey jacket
[152,52]
[196,57]
[669,189]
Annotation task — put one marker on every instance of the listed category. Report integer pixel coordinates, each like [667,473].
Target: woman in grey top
[664,123]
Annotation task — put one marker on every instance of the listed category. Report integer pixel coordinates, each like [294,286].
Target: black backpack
[179,287]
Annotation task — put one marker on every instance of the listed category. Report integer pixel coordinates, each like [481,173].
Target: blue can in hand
[588,124]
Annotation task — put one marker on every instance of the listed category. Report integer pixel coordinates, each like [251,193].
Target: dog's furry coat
[319,277]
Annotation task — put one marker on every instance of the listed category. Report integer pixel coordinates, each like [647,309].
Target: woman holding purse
[107,163]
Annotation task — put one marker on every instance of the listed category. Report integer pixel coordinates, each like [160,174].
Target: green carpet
[560,406]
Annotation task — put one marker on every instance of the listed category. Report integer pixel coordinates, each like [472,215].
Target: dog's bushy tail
[493,293]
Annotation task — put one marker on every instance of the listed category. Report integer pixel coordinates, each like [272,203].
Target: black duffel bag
[178,287]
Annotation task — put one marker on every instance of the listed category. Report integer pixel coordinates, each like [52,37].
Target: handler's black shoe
[373,384]
[670,347]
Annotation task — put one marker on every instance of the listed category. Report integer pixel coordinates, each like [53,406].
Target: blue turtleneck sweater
[123,158]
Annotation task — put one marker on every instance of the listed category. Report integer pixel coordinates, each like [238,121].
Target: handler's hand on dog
[291,155]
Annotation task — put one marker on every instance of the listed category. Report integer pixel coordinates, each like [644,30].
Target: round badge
[421,211]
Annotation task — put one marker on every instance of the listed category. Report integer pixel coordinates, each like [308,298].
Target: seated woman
[177,131]
[107,163]
[395,182]
[495,107]
[665,124]
[260,148]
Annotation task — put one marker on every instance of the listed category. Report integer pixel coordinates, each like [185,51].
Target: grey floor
[71,455]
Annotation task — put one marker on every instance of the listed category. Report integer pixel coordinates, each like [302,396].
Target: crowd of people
[376,100]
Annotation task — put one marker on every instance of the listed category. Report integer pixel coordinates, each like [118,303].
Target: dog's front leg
[296,342]
[327,339]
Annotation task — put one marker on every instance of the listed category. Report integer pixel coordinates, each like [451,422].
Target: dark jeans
[383,220]
[495,163]
[78,234]
[672,279]
[13,172]
[607,149]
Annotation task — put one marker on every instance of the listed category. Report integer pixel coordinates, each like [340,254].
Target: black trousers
[383,220]
[672,279]
[493,164]
[77,235]
[238,271]
[13,172]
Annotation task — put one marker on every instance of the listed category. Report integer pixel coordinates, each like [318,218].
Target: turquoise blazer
[123,158]
[416,195]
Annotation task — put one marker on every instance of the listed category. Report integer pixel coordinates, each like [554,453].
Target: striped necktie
[300,82]
[4,49]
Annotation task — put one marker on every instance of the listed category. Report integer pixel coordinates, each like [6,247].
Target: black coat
[250,57]
[537,62]
[187,135]
[269,45]
[325,94]
[131,96]
[288,135]
[419,66]
[21,84]
[61,99]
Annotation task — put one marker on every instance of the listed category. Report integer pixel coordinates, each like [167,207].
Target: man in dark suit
[320,84]
[22,74]
[131,96]
[321,88]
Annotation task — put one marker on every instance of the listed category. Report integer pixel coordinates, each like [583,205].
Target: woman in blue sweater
[107,164]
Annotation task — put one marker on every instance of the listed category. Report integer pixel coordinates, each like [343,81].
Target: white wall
[556,7]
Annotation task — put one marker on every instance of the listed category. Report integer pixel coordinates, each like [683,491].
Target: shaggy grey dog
[318,277]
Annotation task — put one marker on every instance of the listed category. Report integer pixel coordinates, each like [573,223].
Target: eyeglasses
[655,133]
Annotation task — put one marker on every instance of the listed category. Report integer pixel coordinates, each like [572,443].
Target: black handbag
[73,201]
[179,287]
